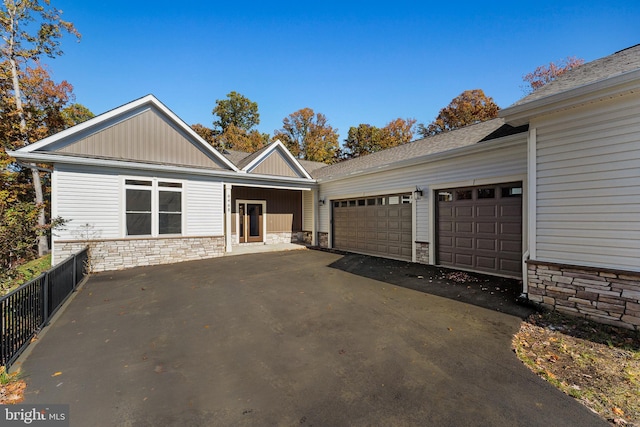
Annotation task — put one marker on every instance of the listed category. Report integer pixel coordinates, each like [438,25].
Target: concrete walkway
[283,339]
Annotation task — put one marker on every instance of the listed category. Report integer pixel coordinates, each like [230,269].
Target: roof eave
[49,158]
[443,155]
[518,115]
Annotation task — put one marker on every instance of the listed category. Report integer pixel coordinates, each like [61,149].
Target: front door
[250,222]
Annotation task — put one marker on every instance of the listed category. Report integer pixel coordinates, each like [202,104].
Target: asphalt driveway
[284,339]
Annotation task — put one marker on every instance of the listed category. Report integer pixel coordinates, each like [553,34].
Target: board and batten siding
[505,161]
[588,185]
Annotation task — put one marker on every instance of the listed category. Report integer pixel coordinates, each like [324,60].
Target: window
[464,194]
[394,200]
[486,193]
[361,202]
[445,196]
[371,202]
[512,191]
[406,199]
[152,207]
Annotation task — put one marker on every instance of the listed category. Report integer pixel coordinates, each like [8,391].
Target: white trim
[315,193]
[131,106]
[504,142]
[54,210]
[155,189]
[264,217]
[270,149]
[227,218]
[590,92]
[532,194]
[118,164]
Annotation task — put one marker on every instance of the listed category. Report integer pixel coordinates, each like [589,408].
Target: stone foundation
[422,252]
[601,295]
[283,237]
[307,237]
[118,254]
[323,240]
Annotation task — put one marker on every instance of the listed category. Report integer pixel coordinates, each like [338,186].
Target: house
[548,193]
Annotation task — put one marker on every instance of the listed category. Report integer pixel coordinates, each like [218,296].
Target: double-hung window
[152,207]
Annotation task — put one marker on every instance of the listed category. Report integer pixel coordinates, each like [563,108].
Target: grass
[23,273]
[599,365]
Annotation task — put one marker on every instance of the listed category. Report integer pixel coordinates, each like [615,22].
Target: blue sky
[354,61]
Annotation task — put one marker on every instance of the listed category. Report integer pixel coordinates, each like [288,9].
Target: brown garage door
[480,228]
[380,226]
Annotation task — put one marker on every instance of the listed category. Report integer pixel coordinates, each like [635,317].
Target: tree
[238,139]
[75,114]
[205,133]
[30,30]
[366,139]
[548,73]
[308,136]
[470,107]
[236,110]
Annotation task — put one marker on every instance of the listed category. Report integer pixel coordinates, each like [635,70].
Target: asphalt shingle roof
[619,63]
[462,137]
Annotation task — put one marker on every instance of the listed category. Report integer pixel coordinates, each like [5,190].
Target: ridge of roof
[465,136]
[618,63]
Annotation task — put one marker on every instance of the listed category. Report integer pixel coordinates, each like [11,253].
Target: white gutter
[479,147]
[229,176]
[519,114]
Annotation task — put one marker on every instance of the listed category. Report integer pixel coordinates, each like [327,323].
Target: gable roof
[117,135]
[463,137]
[620,70]
[274,159]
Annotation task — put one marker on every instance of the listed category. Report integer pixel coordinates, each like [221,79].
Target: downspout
[525,277]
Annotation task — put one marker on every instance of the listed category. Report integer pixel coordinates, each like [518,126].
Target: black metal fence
[27,309]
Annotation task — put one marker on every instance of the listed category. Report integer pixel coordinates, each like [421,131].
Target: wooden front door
[250,218]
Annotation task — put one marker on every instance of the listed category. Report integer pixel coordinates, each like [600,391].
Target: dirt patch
[11,388]
[598,365]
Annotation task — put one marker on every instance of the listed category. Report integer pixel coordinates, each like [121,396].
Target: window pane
[361,202]
[486,193]
[138,224]
[138,200]
[406,199]
[352,202]
[170,223]
[169,201]
[464,194]
[371,202]
[445,196]
[515,191]
[170,184]
[394,200]
[137,182]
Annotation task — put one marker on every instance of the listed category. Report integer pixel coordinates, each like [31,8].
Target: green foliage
[470,107]
[13,278]
[366,139]
[236,110]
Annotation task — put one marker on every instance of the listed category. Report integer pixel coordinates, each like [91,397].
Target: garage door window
[486,193]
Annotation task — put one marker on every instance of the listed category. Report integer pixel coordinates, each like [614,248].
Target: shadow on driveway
[494,293]
[284,339]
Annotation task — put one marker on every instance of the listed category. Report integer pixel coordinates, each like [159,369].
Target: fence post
[75,270]
[46,298]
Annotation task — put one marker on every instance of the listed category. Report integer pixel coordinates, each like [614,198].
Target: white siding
[89,200]
[205,208]
[469,169]
[588,185]
[307,210]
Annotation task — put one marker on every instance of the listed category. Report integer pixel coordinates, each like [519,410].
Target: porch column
[227,217]
[314,232]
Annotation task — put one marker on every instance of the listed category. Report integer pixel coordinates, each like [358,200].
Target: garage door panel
[383,226]
[480,230]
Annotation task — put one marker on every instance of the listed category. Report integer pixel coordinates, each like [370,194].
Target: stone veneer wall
[118,254]
[323,239]
[602,295]
[422,252]
[283,237]
[307,237]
